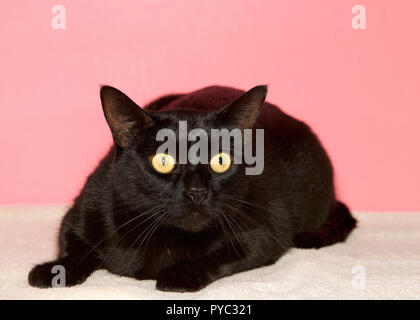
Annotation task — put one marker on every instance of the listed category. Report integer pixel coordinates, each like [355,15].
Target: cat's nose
[197,195]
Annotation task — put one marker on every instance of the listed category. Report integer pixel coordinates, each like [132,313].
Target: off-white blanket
[380,260]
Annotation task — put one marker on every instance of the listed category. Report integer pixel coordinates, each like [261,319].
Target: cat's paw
[182,278]
[43,275]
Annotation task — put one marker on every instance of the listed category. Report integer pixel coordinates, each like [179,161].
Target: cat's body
[135,222]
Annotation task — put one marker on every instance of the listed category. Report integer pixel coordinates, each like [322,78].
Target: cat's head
[191,197]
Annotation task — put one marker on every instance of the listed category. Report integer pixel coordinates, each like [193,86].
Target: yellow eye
[220,162]
[163,163]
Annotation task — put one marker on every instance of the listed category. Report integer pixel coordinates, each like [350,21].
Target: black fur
[135,222]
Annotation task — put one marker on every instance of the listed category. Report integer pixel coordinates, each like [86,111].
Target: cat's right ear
[125,118]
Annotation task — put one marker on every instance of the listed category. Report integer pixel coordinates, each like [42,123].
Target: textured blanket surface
[380,260]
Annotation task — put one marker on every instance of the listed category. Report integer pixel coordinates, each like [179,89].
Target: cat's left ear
[125,118]
[244,111]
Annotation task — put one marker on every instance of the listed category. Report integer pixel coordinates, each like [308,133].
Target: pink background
[358,89]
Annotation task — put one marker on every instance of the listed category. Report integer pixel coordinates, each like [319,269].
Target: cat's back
[214,98]
[207,99]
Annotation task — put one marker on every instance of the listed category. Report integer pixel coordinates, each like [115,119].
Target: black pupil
[163,161]
[220,160]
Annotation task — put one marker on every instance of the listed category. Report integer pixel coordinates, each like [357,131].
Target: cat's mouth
[195,213]
[193,220]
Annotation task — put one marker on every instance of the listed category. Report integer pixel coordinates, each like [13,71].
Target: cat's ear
[125,118]
[244,111]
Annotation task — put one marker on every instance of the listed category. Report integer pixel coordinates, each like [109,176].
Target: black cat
[194,224]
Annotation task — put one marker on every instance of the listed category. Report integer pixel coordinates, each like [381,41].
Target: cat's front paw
[41,275]
[182,278]
[44,275]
